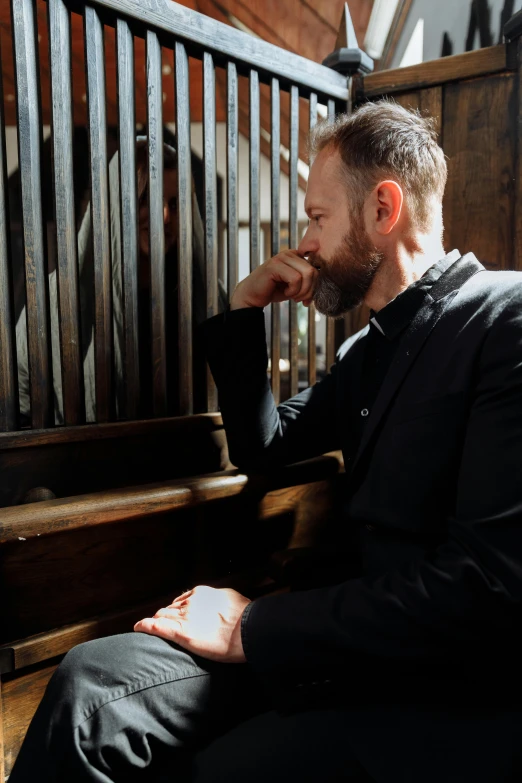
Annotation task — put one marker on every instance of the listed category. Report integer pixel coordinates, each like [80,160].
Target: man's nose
[166,213]
[308,243]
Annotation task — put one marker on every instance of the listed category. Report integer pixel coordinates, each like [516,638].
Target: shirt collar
[397,314]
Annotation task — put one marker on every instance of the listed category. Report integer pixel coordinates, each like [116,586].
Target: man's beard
[345,279]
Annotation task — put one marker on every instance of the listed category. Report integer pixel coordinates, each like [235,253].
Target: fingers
[173,612]
[300,276]
[184,595]
[285,276]
[168,621]
[164,627]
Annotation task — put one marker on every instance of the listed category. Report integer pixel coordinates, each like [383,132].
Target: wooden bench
[80,567]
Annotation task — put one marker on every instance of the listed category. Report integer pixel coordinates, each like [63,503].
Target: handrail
[202,422]
[33,520]
[492,59]
[224,42]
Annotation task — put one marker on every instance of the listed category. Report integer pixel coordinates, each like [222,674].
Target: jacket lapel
[423,323]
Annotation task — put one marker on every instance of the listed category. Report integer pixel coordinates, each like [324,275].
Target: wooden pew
[84,566]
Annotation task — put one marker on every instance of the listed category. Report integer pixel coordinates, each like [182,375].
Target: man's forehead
[324,183]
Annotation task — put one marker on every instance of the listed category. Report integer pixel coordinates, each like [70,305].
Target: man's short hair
[382,140]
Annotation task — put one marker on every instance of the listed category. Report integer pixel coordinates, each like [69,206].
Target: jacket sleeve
[462,598]
[260,434]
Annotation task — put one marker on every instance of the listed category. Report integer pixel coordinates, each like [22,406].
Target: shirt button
[365,412]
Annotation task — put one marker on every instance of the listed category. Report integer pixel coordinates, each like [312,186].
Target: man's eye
[173,204]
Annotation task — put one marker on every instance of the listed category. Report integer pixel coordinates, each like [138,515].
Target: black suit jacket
[434,505]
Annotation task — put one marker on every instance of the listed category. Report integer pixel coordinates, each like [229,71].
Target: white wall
[451,16]
[11,146]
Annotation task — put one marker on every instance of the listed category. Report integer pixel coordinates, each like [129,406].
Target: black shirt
[379,345]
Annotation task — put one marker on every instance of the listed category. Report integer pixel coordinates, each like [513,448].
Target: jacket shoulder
[496,282]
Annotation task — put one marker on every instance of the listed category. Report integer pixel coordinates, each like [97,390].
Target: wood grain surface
[455,68]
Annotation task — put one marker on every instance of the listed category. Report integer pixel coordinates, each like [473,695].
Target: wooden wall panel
[479,135]
[428,102]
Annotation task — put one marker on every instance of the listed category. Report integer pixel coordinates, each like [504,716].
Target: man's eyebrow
[313,208]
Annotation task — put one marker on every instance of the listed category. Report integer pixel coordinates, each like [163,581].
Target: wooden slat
[8,385]
[479,132]
[66,245]
[447,69]
[99,212]
[129,216]
[20,699]
[100,508]
[179,426]
[293,232]
[275,228]
[225,42]
[29,156]
[255,136]
[41,647]
[312,355]
[2,744]
[35,520]
[184,232]
[517,206]
[330,323]
[92,461]
[156,226]
[50,644]
[210,186]
[232,169]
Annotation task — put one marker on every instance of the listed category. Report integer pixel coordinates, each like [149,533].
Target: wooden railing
[226,54]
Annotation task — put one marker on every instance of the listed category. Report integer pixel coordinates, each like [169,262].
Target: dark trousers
[137,708]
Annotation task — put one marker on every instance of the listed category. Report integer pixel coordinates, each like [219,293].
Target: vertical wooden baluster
[255,142]
[330,323]
[66,246]
[185,230]
[156,226]
[211,256]
[8,381]
[312,355]
[35,250]
[129,216]
[232,168]
[293,239]
[99,214]
[275,171]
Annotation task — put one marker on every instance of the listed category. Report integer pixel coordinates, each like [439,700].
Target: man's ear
[385,206]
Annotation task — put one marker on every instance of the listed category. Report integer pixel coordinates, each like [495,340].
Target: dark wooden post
[513,36]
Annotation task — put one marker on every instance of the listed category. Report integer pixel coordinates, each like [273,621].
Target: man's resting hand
[285,276]
[204,621]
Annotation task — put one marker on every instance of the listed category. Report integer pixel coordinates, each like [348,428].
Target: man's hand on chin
[204,621]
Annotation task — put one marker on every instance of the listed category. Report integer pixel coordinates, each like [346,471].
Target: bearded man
[405,670]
